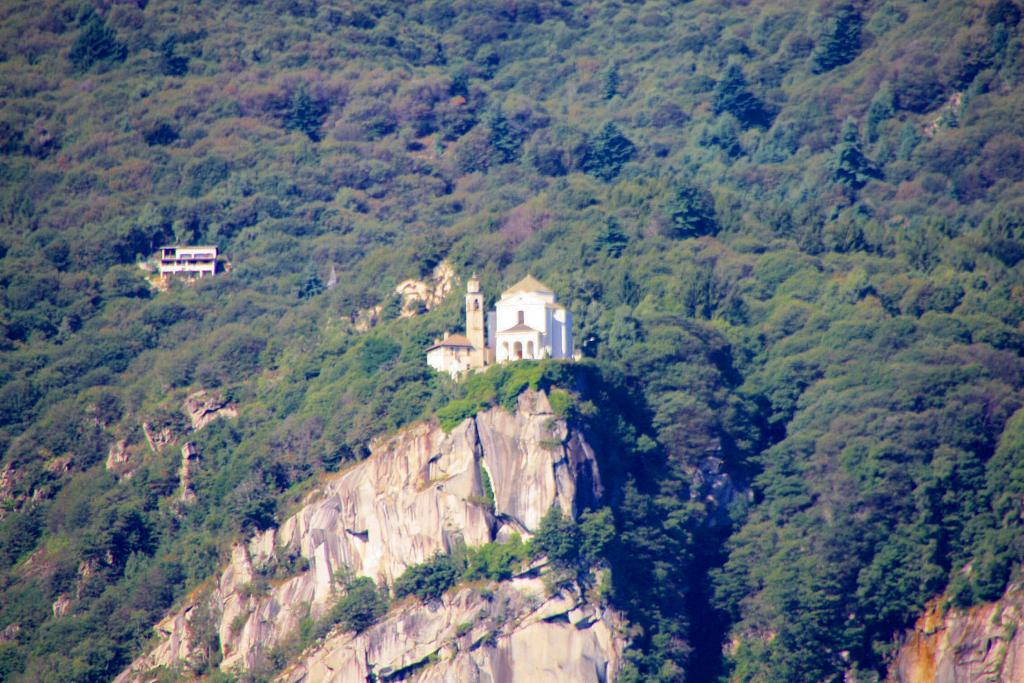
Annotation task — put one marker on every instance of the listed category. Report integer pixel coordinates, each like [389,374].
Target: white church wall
[529,343]
[532,306]
[561,334]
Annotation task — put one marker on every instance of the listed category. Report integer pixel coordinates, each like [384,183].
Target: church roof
[457,340]
[528,284]
[520,327]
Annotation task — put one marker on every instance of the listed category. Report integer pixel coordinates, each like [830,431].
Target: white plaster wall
[532,306]
[446,359]
[561,334]
[522,337]
[553,324]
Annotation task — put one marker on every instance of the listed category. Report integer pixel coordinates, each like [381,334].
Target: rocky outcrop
[10,633]
[366,318]
[511,634]
[203,407]
[189,454]
[426,293]
[157,437]
[120,460]
[167,427]
[418,494]
[983,644]
[8,484]
[61,606]
[415,296]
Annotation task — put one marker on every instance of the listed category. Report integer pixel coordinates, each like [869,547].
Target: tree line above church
[795,231]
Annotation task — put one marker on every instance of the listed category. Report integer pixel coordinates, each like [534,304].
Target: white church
[526,323]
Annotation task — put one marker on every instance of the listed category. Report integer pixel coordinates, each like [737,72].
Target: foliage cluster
[790,239]
[492,561]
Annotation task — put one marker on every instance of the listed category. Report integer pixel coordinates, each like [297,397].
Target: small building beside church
[451,354]
[527,323]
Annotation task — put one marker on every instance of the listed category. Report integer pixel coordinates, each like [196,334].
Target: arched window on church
[476,304]
[522,318]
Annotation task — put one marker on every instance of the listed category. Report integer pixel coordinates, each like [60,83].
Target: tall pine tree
[305,113]
[689,212]
[732,96]
[850,166]
[612,240]
[608,152]
[505,142]
[610,82]
[96,42]
[171,63]
[840,42]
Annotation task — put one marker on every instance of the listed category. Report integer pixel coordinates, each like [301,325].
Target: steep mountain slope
[418,494]
[790,237]
[983,643]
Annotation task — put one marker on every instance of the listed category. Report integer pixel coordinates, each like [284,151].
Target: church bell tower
[475,321]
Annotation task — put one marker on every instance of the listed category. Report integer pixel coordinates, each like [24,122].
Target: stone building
[451,354]
[526,323]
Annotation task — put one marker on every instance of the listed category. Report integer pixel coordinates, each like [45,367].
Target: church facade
[527,323]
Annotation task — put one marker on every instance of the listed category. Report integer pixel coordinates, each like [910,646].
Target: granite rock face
[509,635]
[418,494]
[427,293]
[983,644]
[203,407]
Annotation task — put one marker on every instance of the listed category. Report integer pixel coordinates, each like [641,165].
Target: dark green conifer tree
[733,97]
[689,212]
[305,113]
[1003,12]
[882,108]
[608,152]
[311,284]
[610,82]
[700,292]
[505,142]
[612,240]
[96,42]
[850,166]
[171,63]
[908,141]
[840,42]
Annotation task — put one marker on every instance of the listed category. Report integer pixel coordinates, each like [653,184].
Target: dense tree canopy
[791,238]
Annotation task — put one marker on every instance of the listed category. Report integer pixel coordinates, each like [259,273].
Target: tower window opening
[522,317]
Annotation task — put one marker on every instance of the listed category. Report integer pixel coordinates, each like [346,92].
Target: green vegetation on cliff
[791,237]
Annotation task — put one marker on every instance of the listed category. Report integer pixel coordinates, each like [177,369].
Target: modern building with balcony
[189,262]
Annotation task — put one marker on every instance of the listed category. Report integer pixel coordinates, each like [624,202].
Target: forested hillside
[790,234]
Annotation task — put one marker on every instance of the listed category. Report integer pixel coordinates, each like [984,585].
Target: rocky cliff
[511,634]
[419,493]
[983,644]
